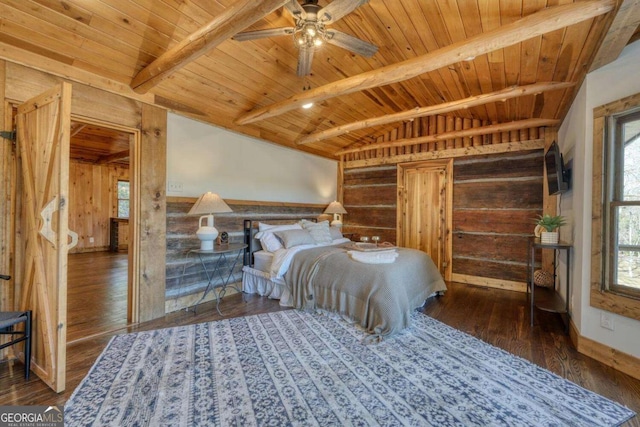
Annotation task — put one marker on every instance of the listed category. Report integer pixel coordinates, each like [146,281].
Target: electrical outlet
[606,321]
[175,187]
[91,240]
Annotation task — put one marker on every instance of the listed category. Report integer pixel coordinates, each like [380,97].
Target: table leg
[532,260]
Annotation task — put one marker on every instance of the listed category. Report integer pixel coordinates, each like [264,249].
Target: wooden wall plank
[364,195]
[496,220]
[93,202]
[514,194]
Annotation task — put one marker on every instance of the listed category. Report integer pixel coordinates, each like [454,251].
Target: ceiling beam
[76,128]
[624,25]
[233,20]
[447,107]
[112,157]
[533,25]
[483,130]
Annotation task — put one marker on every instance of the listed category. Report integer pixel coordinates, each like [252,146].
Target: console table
[548,299]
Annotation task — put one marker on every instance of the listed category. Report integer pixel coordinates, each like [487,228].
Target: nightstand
[225,259]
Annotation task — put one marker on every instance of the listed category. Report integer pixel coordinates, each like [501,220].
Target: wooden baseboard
[616,359]
[175,304]
[489,282]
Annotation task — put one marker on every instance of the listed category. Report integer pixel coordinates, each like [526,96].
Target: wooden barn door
[43,125]
[425,193]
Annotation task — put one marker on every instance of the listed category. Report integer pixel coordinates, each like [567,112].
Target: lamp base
[336,223]
[207,235]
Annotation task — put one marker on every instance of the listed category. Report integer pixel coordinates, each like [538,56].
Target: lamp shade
[209,203]
[335,208]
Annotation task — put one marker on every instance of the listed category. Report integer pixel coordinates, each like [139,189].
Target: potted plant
[547,227]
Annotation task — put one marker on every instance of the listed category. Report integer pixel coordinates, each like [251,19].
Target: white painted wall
[202,157]
[610,83]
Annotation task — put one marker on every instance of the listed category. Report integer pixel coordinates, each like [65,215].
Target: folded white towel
[376,257]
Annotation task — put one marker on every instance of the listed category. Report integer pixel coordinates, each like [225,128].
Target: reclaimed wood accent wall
[186,279]
[497,192]
[495,201]
[93,201]
[370,199]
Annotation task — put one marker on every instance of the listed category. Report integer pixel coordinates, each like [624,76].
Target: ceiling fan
[310,30]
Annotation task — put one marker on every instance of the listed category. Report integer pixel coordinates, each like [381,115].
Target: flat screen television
[558,177]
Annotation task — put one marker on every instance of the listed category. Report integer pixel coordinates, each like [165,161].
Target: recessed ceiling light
[307,106]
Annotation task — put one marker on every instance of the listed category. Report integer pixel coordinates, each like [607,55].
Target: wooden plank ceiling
[116,40]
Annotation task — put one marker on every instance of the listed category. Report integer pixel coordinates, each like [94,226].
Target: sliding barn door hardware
[10,135]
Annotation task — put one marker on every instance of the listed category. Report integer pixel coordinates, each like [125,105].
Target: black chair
[8,320]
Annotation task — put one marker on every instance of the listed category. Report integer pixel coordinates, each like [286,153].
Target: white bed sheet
[262,260]
[258,282]
[269,281]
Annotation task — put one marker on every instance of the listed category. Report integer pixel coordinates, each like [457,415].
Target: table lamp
[209,203]
[337,210]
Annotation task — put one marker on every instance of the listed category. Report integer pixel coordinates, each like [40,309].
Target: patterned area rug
[296,368]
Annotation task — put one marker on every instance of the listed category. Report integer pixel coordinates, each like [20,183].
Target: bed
[322,273]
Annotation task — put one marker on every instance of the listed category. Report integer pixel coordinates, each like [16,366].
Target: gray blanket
[380,297]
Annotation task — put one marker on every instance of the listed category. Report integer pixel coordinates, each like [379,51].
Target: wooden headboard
[250,229]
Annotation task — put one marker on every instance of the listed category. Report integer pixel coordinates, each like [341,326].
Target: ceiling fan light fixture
[310,29]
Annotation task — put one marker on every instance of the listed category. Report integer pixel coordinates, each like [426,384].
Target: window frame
[118,199]
[602,296]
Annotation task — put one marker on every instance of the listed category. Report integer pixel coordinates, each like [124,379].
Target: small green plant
[550,223]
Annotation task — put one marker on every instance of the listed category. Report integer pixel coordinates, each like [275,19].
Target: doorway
[100,185]
[425,204]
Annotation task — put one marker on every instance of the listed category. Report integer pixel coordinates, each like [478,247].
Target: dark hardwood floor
[96,280]
[495,316]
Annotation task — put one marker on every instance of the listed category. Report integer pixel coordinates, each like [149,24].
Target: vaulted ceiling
[478,58]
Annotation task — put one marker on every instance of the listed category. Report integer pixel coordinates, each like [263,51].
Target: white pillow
[336,233]
[291,238]
[273,228]
[319,231]
[270,242]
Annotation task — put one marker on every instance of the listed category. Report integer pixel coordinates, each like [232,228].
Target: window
[622,205]
[615,211]
[123,199]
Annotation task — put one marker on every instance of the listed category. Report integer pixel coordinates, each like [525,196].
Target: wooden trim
[461,104]
[235,18]
[506,147]
[184,199]
[616,359]
[534,25]
[605,300]
[483,130]
[507,285]
[151,223]
[549,203]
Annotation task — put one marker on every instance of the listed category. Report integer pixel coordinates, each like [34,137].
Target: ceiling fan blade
[259,34]
[305,57]
[295,10]
[337,9]
[351,43]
